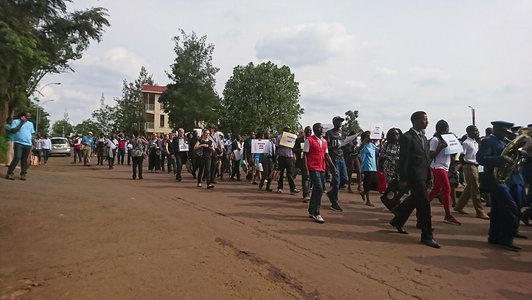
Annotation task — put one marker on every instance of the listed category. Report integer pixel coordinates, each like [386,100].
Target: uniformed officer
[504,217]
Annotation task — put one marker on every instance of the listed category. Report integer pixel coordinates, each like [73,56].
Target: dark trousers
[154,162]
[267,168]
[78,154]
[419,200]
[236,169]
[45,154]
[21,154]
[180,158]
[504,216]
[317,178]
[286,163]
[128,157]
[212,172]
[110,161]
[121,156]
[137,166]
[204,169]
[305,180]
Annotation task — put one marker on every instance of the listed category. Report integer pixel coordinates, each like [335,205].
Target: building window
[161,121]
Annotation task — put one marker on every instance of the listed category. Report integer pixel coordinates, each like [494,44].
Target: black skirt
[371,181]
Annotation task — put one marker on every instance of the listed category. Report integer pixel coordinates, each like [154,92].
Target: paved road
[73,232]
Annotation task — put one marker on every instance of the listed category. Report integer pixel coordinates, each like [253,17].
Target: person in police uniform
[504,217]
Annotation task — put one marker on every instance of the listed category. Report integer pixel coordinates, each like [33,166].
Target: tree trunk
[5,112]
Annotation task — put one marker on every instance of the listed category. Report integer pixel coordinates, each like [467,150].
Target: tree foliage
[104,117]
[130,106]
[351,122]
[261,97]
[191,99]
[87,125]
[39,37]
[62,128]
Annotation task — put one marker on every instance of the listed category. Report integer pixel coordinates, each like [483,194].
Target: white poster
[260,146]
[183,145]
[349,139]
[199,131]
[453,144]
[288,139]
[238,154]
[376,130]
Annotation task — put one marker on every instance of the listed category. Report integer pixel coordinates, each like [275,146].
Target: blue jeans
[21,153]
[339,178]
[317,178]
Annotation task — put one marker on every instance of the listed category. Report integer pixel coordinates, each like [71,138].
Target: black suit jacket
[414,159]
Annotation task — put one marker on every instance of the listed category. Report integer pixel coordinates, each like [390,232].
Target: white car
[60,146]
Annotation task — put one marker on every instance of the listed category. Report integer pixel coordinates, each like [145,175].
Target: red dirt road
[73,232]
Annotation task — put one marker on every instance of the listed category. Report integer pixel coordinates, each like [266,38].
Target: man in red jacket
[316,156]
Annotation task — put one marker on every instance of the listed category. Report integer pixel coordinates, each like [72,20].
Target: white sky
[386,59]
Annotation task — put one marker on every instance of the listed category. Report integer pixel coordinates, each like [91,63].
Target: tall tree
[191,99]
[351,122]
[87,125]
[105,117]
[130,106]
[62,128]
[39,37]
[261,97]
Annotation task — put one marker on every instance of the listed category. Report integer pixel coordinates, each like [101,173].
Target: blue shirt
[23,136]
[368,154]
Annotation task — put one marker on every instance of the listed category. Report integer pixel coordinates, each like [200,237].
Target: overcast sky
[385,59]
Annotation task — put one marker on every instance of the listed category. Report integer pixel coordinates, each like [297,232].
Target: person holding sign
[316,158]
[440,170]
[285,160]
[179,152]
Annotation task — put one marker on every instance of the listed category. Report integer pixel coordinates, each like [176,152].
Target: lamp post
[38,110]
[51,83]
[472,114]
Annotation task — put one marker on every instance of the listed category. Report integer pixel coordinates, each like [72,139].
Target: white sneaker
[280,191]
[319,219]
[199,184]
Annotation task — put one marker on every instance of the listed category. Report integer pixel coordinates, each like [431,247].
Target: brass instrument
[518,150]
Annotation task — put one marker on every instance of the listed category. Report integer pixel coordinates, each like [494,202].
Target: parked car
[60,146]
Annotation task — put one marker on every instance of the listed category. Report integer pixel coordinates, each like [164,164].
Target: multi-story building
[156,119]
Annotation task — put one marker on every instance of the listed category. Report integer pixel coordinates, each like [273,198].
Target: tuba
[518,149]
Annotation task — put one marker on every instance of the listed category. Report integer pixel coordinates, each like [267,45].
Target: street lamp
[472,114]
[38,110]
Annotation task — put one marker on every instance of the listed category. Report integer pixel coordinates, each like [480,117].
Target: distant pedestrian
[138,144]
[46,146]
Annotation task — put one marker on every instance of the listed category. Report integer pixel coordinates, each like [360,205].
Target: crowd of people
[408,169]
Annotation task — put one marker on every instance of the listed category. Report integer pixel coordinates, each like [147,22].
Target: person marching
[414,173]
[333,138]
[504,216]
[316,156]
[300,161]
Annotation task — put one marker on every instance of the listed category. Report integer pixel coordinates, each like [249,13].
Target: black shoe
[269,190]
[524,219]
[508,246]
[520,236]
[400,229]
[430,242]
[140,177]
[336,207]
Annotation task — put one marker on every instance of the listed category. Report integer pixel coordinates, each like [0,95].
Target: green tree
[39,118]
[105,117]
[62,128]
[351,122]
[261,97]
[87,125]
[39,37]
[191,99]
[130,106]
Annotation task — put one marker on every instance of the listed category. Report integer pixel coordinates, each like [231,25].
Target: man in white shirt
[470,169]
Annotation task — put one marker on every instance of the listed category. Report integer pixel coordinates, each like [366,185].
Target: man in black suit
[415,174]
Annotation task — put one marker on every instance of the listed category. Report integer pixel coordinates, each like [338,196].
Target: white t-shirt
[442,160]
[306,146]
[470,150]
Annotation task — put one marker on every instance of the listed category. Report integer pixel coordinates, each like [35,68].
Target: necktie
[422,138]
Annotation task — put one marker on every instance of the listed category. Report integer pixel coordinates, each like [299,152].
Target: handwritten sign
[375,131]
[349,139]
[288,139]
[260,146]
[183,145]
[453,144]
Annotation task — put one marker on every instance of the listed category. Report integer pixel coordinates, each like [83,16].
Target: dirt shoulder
[73,232]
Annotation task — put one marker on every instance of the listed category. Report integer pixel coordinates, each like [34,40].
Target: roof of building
[154,89]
